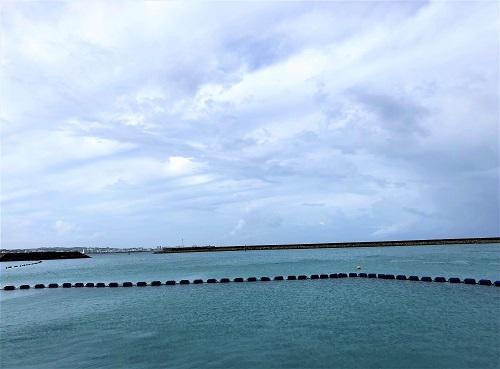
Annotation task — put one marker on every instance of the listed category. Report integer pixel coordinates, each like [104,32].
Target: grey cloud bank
[142,123]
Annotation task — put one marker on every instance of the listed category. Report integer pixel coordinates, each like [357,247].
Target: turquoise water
[345,323]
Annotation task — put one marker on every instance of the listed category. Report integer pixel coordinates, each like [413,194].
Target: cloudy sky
[145,123]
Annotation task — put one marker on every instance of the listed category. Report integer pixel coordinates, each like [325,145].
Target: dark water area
[342,323]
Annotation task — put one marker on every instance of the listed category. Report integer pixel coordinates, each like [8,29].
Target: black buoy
[24,287]
[413,278]
[127,284]
[224,280]
[79,284]
[334,275]
[100,285]
[53,285]
[66,285]
[291,278]
[469,281]
[265,279]
[372,275]
[279,278]
[183,281]
[342,275]
[401,277]
[485,282]
[172,283]
[389,276]
[40,285]
[323,276]
[239,279]
[314,276]
[198,281]
[454,280]
[251,279]
[113,284]
[353,275]
[426,279]
[212,280]
[141,284]
[362,275]
[302,277]
[440,279]
[90,284]
[9,288]
[156,283]
[497,284]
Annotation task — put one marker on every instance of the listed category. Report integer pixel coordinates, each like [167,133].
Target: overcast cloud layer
[141,124]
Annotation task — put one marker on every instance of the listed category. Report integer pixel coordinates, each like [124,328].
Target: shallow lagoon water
[347,323]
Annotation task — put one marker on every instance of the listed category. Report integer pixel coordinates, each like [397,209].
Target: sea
[329,323]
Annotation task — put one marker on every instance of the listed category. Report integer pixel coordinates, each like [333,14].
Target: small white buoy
[358,267]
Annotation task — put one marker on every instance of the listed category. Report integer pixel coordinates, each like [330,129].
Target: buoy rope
[399,277]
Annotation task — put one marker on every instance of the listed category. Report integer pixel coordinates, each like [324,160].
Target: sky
[128,124]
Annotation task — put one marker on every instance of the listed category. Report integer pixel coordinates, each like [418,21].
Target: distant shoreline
[330,245]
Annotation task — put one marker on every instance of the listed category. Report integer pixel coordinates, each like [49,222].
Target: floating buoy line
[22,265]
[399,277]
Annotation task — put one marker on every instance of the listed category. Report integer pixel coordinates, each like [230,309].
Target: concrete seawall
[332,245]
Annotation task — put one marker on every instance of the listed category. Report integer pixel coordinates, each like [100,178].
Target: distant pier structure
[330,245]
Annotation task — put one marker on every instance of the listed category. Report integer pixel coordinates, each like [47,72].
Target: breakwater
[41,255]
[328,245]
[320,276]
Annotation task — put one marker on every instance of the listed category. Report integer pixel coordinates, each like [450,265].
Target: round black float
[413,278]
[485,282]
[353,275]
[279,278]
[239,279]
[302,277]
[251,279]
[141,284]
[224,280]
[24,287]
[40,285]
[381,276]
[440,279]
[426,279]
[183,281]
[66,285]
[90,284]
[454,280]
[314,276]
[342,275]
[265,279]
[79,284]
[100,285]
[334,275]
[469,281]
[291,277]
[127,284]
[362,275]
[372,275]
[9,288]
[497,284]
[156,283]
[53,285]
[113,284]
[401,277]
[212,280]
[171,283]
[323,276]
[389,276]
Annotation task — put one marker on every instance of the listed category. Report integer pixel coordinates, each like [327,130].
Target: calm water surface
[348,323]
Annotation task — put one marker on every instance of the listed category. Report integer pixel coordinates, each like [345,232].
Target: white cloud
[337,114]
